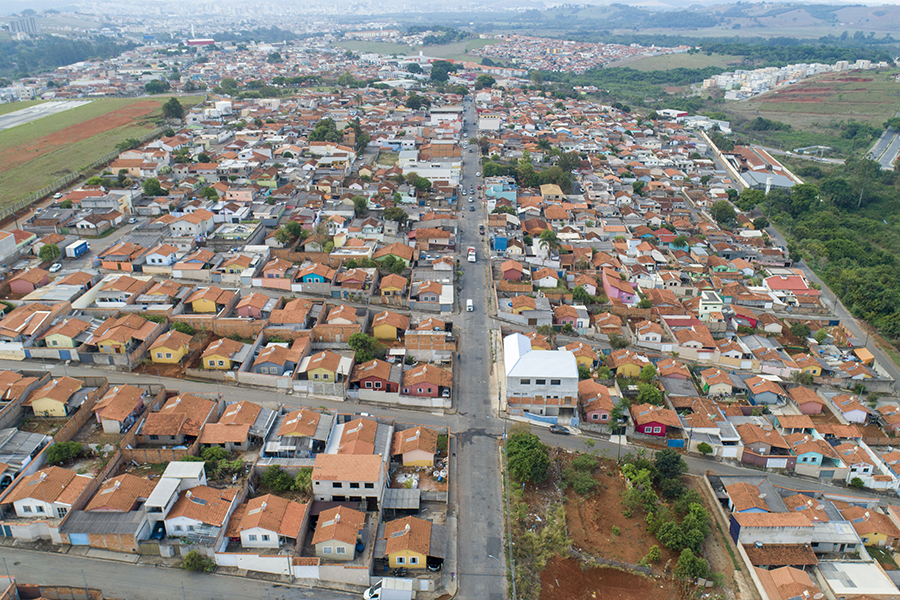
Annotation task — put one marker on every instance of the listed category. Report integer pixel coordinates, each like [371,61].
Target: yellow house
[584,354]
[388,325]
[415,446]
[323,366]
[220,354]
[52,400]
[520,304]
[209,300]
[808,364]
[170,347]
[392,285]
[120,336]
[408,542]
[627,363]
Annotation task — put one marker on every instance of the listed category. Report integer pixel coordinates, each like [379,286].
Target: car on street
[559,429]
[465,193]
[481,229]
[55,268]
[470,149]
[471,209]
[132,220]
[57,196]
[478,174]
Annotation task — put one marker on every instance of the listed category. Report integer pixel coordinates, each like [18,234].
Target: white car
[478,174]
[132,220]
[55,268]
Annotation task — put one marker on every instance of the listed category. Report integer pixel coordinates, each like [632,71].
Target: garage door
[776,463]
[78,539]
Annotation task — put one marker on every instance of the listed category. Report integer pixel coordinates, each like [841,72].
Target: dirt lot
[92,433]
[76,133]
[427,480]
[44,426]
[564,579]
[591,520]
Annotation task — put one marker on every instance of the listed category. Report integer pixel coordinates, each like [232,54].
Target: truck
[76,249]
[391,588]
[471,254]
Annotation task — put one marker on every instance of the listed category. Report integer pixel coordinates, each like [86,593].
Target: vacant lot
[37,153]
[687,61]
[455,51]
[566,578]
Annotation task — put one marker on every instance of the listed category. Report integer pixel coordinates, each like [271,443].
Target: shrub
[857,483]
[654,554]
[303,481]
[690,566]
[704,448]
[63,452]
[275,479]
[213,453]
[582,482]
[585,462]
[182,327]
[194,561]
[616,530]
[527,457]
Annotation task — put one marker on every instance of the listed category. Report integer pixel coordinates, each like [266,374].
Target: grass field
[455,51]
[673,61]
[815,107]
[9,107]
[37,153]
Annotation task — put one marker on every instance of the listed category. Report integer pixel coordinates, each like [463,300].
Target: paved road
[39,111]
[141,582]
[477,496]
[887,148]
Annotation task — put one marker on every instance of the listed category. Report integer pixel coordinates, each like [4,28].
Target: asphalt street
[477,498]
[39,111]
[142,582]
[887,148]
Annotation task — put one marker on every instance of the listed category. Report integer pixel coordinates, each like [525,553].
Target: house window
[315,375]
[595,417]
[190,527]
[604,417]
[337,484]
[370,486]
[368,384]
[154,437]
[413,560]
[251,537]
[554,382]
[327,550]
[377,385]
[168,355]
[524,382]
[421,390]
[405,390]
[212,363]
[264,369]
[26,509]
[540,382]
[54,343]
[354,486]
[39,508]
[401,560]
[265,537]
[657,429]
[341,550]
[159,355]
[324,375]
[221,363]
[178,528]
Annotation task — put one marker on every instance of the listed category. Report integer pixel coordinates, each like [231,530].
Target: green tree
[360,205]
[617,342]
[760,223]
[637,187]
[66,204]
[528,458]
[182,327]
[63,452]
[151,187]
[395,213]
[367,347]
[645,303]
[414,68]
[749,199]
[857,483]
[303,481]
[276,479]
[821,335]
[209,193]
[649,394]
[691,566]
[648,373]
[48,252]
[485,81]
[157,86]
[704,448]
[723,213]
[194,561]
[549,240]
[581,296]
[274,57]
[172,109]
[800,330]
[839,192]
[584,372]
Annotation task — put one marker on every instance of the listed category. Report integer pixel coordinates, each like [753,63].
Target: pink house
[596,401]
[426,381]
[252,305]
[616,288]
[654,420]
[28,281]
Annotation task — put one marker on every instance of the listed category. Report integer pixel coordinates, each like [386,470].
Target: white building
[543,382]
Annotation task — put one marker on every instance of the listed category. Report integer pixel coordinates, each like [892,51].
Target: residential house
[125,493]
[349,478]
[806,400]
[400,252]
[119,407]
[325,366]
[278,359]
[764,391]
[271,521]
[209,300]
[415,446]
[874,527]
[393,286]
[378,375]
[57,398]
[222,354]
[715,382]
[540,382]
[29,280]
[585,356]
[122,335]
[654,420]
[410,542]
[596,400]
[337,533]
[170,347]
[427,381]
[389,325]
[852,409]
[200,513]
[255,306]
[180,418]
[48,493]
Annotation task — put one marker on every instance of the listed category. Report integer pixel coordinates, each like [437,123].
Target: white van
[469,306]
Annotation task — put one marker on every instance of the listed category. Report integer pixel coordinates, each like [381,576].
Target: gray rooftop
[104,522]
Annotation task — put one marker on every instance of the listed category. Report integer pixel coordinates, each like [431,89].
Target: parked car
[481,229]
[55,268]
[559,429]
[132,220]
[472,208]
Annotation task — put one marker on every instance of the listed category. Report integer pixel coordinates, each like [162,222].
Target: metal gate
[79,539]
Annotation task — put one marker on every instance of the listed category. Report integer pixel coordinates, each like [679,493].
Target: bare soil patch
[75,133]
[564,579]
